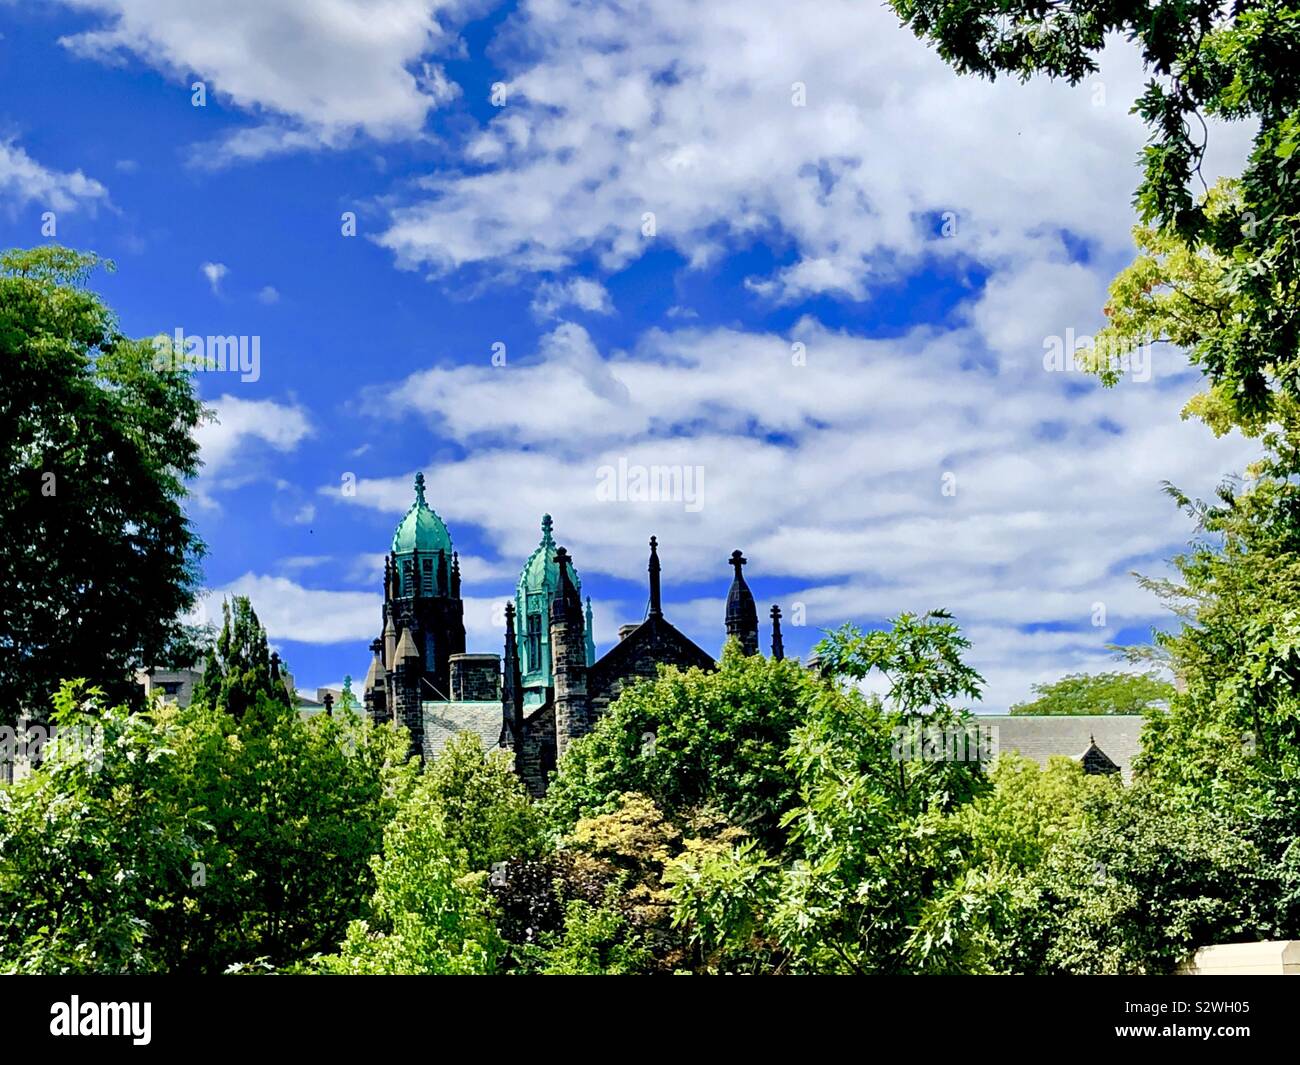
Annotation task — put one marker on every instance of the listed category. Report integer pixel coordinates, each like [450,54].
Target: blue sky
[799,256]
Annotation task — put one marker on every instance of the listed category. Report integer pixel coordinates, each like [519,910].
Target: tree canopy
[98,559]
[1098,693]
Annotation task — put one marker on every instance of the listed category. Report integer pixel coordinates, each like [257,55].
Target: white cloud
[23,180]
[580,292]
[830,473]
[232,447]
[268,295]
[319,69]
[215,273]
[288,611]
[686,112]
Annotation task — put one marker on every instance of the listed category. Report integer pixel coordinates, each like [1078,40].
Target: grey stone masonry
[475,678]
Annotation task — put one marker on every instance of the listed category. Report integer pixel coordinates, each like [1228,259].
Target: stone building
[548,687]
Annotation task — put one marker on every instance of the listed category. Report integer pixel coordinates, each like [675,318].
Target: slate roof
[442,721]
[1038,736]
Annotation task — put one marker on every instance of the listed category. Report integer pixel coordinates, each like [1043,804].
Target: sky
[779,253]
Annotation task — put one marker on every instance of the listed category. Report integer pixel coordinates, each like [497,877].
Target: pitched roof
[1039,736]
[655,628]
[442,721]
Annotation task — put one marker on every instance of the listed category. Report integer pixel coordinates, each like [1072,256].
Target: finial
[778,644]
[547,525]
[656,605]
[329,704]
[510,616]
[419,488]
[275,665]
[738,560]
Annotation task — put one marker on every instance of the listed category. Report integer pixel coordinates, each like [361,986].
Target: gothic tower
[537,587]
[423,593]
[742,614]
[512,692]
[569,658]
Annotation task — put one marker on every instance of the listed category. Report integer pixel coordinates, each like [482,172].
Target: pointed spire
[390,644]
[778,645]
[656,606]
[742,613]
[566,595]
[407,648]
[275,665]
[589,628]
[512,686]
[376,667]
[455,575]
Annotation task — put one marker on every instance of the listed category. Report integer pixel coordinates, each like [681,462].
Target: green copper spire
[421,530]
[537,584]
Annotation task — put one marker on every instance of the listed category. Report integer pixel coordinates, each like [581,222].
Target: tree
[1233,733]
[290,811]
[189,841]
[691,739]
[1238,63]
[91,850]
[1144,881]
[1098,693]
[430,914]
[98,559]
[238,669]
[487,814]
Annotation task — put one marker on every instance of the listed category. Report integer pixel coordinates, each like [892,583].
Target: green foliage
[487,815]
[433,906]
[919,657]
[723,890]
[596,941]
[94,455]
[976,919]
[431,916]
[866,848]
[1235,727]
[693,739]
[193,841]
[1099,693]
[1144,882]
[290,812]
[237,672]
[91,852]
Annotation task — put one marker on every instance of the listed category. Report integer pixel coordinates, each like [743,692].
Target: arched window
[534,642]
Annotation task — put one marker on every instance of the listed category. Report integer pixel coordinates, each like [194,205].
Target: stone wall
[475,678]
[536,757]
